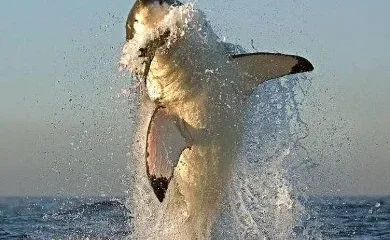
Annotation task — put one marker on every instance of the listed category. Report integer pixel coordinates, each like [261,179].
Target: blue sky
[58,74]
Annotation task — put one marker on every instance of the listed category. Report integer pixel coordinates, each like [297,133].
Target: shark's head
[146,15]
[144,21]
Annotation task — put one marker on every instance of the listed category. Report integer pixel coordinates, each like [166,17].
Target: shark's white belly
[207,104]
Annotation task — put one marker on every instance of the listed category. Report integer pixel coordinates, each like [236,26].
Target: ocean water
[63,218]
[109,218]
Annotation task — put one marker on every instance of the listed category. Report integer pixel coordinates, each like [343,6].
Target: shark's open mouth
[138,52]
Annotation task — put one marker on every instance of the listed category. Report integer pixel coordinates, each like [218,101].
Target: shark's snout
[147,12]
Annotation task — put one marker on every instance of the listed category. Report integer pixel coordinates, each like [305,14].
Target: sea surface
[108,218]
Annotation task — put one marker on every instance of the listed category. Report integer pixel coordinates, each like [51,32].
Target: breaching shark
[199,92]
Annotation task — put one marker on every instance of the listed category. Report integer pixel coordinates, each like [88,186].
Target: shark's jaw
[151,25]
[167,59]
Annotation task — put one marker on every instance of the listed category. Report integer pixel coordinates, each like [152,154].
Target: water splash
[266,197]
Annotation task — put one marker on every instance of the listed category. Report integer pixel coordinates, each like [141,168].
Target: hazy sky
[65,128]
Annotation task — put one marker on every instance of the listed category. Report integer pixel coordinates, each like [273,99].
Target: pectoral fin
[167,137]
[261,67]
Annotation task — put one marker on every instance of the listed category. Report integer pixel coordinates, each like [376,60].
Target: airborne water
[266,198]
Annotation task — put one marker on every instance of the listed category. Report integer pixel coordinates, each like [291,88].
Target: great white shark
[198,91]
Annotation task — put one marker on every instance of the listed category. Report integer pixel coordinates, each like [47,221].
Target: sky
[65,123]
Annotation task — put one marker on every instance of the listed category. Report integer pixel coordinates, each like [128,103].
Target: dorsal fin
[260,67]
